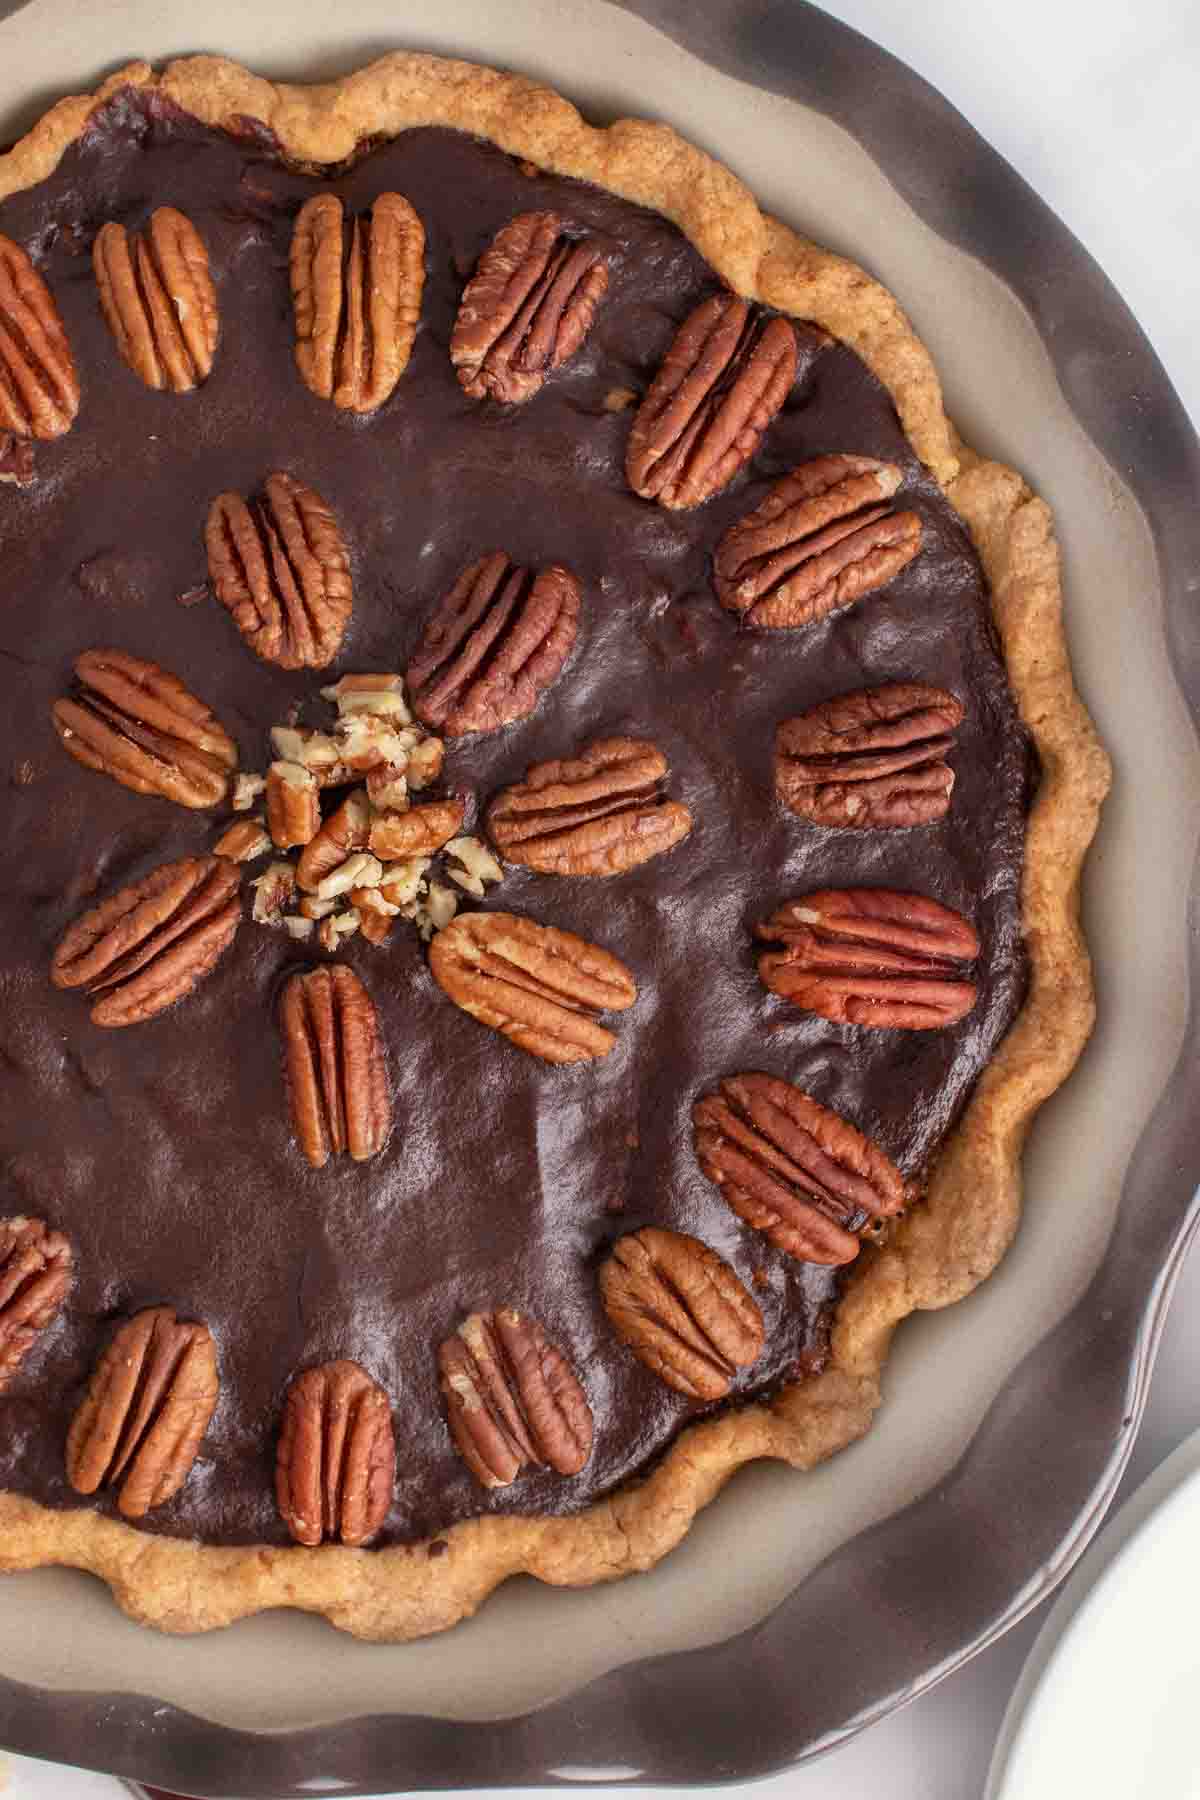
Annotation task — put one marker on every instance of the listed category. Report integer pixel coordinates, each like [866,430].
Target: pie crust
[943,1248]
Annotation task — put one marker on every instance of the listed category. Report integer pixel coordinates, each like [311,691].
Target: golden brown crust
[947,1245]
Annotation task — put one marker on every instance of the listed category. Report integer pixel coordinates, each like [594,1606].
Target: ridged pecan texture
[335,1466]
[681,1310]
[158,297]
[822,538]
[527,308]
[137,723]
[871,956]
[793,1169]
[495,643]
[539,986]
[151,943]
[334,1065]
[279,564]
[35,1274]
[871,760]
[356,296]
[146,1410]
[722,382]
[598,813]
[513,1400]
[39,388]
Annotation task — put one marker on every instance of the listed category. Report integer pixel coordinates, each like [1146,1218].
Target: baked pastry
[546,809]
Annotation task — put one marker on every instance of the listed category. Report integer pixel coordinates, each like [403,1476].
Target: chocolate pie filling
[164,1150]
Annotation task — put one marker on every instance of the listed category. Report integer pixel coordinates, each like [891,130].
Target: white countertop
[1095,105]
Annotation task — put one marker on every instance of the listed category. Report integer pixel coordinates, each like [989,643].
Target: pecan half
[39,389]
[682,1311]
[495,643]
[418,832]
[527,308]
[723,380]
[333,1061]
[335,1467]
[147,1407]
[872,759]
[598,813]
[513,1399]
[346,830]
[138,723]
[280,565]
[356,294]
[152,942]
[870,956]
[35,1273]
[293,805]
[539,986]
[159,300]
[799,1173]
[819,541]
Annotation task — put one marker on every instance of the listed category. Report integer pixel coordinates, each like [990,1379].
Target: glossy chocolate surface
[164,1150]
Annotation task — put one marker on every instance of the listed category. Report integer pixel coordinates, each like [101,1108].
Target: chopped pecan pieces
[35,1273]
[341,834]
[424,764]
[138,723]
[373,693]
[147,1407]
[496,642]
[376,927]
[682,1311]
[419,831]
[315,751]
[333,930]
[293,805]
[870,956]
[598,813]
[722,382]
[799,1173]
[243,841]
[822,538]
[527,308]
[369,741]
[402,880]
[333,1060]
[151,943]
[274,889]
[513,1399]
[246,790]
[359,870]
[435,911]
[39,389]
[356,293]
[539,986]
[159,300]
[335,1467]
[471,865]
[387,787]
[872,759]
[281,567]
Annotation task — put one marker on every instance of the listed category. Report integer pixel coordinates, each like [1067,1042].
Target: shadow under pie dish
[703,572]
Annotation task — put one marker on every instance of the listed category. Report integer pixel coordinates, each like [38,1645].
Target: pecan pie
[545,806]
